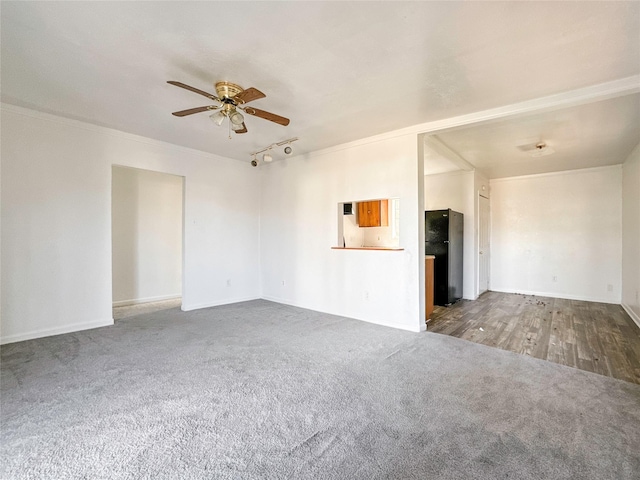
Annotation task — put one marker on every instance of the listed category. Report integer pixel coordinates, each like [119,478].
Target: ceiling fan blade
[243,129]
[195,90]
[191,111]
[249,95]
[267,116]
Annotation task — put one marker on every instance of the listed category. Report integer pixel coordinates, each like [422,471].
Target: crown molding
[555,174]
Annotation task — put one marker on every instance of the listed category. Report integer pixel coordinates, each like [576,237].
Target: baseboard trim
[634,316]
[48,332]
[137,301]
[198,306]
[558,295]
[416,329]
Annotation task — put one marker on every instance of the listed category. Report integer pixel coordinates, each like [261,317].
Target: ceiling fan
[231,98]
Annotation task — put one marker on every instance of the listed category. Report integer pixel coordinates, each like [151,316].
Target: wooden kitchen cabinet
[374,213]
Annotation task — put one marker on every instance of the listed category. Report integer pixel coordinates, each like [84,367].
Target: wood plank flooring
[596,337]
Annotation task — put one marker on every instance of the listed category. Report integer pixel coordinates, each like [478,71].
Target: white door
[483,245]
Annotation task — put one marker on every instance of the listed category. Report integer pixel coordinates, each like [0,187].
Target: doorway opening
[146,240]
[483,243]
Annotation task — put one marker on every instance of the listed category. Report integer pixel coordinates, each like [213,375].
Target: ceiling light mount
[541,150]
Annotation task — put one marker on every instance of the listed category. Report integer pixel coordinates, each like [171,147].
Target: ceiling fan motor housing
[227,90]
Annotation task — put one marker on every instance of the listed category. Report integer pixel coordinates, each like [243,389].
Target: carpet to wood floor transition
[259,390]
[596,337]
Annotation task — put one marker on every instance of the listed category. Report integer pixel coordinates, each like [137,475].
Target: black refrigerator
[443,239]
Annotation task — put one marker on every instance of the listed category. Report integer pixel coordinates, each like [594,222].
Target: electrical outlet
[555,279]
[609,288]
[283,283]
[228,282]
[366,295]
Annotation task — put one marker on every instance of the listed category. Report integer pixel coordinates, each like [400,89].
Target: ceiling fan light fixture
[218,118]
[236,118]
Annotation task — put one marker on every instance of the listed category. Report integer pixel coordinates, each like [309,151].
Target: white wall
[56,222]
[146,235]
[299,226]
[565,225]
[456,190]
[631,235]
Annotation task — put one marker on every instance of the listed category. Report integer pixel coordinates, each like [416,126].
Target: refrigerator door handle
[446,241]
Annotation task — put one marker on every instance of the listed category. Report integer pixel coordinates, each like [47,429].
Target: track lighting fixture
[266,157]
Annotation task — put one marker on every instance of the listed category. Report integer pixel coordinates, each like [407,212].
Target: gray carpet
[261,390]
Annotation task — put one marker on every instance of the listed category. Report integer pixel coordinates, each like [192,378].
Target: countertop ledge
[394,249]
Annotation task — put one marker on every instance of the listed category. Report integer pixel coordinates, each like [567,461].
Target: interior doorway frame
[576,97]
[182,230]
[484,252]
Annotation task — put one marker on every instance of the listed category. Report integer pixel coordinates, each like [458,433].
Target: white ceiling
[583,136]
[340,71]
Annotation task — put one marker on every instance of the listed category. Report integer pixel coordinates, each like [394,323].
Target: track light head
[288,150]
[254,162]
[267,158]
